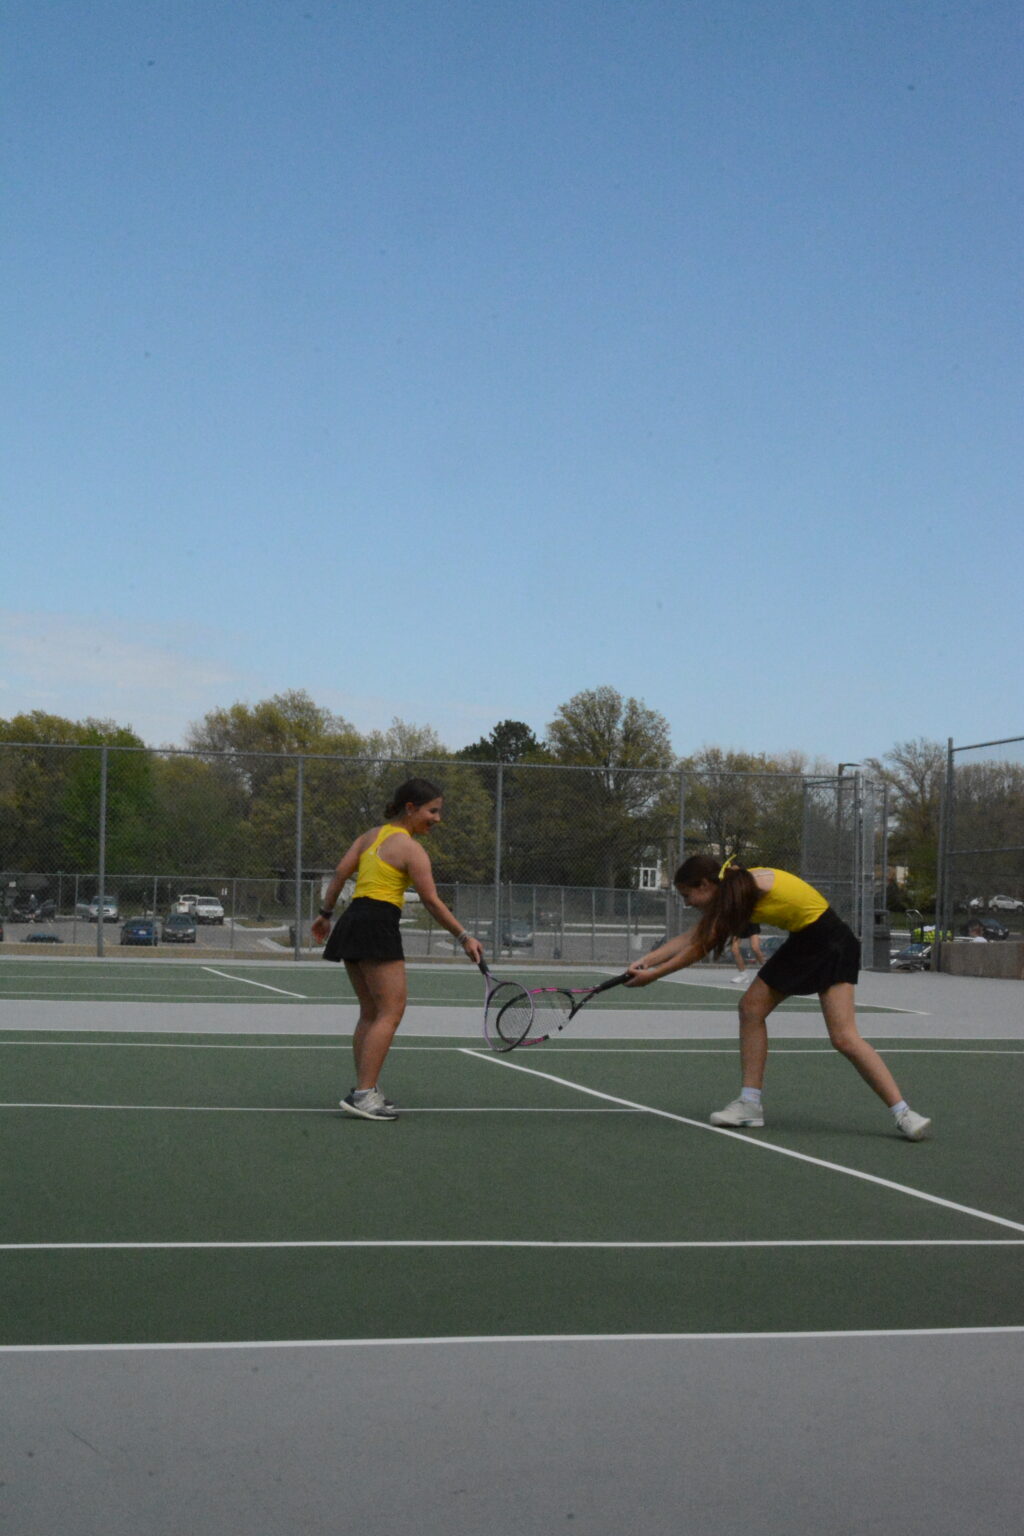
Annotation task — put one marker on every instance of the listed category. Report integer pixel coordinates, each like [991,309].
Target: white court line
[751,1141]
[793,1336]
[554,1244]
[246,982]
[263,1109]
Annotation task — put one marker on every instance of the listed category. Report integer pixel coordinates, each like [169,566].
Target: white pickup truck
[205,909]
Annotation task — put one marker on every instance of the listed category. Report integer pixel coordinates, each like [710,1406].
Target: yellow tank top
[378,879]
[791,903]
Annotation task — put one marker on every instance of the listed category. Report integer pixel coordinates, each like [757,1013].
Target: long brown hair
[736,896]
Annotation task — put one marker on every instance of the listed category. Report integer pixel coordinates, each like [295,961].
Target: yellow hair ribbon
[725,866]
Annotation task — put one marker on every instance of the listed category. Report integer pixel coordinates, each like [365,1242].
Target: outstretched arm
[674,955]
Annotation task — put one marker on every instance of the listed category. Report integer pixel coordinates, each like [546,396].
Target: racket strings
[515,1018]
[555,1000]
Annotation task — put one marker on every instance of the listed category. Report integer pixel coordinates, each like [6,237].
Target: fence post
[498,834]
[943,896]
[102,852]
[299,784]
[672,918]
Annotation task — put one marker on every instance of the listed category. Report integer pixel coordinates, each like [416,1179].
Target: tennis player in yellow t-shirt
[820,955]
[386,861]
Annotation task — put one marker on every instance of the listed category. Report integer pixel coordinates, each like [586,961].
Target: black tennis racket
[562,1004]
[508,1012]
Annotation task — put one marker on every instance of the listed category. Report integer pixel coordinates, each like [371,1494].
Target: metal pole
[299,782]
[885,850]
[943,895]
[100,903]
[672,915]
[867,861]
[498,834]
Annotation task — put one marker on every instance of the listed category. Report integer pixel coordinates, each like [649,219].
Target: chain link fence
[552,862]
[981,846]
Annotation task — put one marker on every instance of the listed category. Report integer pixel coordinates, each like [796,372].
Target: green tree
[50,794]
[915,772]
[510,741]
[595,825]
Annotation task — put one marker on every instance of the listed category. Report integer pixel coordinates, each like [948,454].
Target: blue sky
[444,359]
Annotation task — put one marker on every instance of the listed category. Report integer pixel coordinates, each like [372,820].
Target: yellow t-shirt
[377,878]
[791,903]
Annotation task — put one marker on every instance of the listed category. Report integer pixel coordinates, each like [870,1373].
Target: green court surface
[189,981]
[167,1188]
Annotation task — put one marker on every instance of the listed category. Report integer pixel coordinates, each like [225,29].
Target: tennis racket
[561,1004]
[508,1012]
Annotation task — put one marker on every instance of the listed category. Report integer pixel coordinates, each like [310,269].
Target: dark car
[179,928]
[991,928]
[29,909]
[517,934]
[139,930]
[42,938]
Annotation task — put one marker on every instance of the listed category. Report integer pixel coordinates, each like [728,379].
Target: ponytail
[736,896]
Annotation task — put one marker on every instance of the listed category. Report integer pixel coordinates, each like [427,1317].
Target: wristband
[326,914]
[460,936]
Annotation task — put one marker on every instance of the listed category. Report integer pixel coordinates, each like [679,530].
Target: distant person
[752,932]
[976,933]
[820,955]
[386,861]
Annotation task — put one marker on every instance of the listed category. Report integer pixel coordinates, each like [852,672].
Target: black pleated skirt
[366,930]
[815,958]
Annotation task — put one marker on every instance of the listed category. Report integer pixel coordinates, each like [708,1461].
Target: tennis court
[550,1296]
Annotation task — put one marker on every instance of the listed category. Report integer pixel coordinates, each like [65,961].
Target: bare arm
[417,864]
[674,955]
[347,866]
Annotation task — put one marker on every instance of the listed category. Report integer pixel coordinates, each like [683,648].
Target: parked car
[517,934]
[30,909]
[991,928]
[205,909]
[92,911]
[139,930]
[912,957]
[1005,904]
[178,928]
[42,938]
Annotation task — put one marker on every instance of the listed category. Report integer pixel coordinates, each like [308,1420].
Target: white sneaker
[740,980]
[371,1105]
[740,1112]
[912,1126]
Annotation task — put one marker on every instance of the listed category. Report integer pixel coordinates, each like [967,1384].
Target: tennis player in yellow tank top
[820,955]
[386,861]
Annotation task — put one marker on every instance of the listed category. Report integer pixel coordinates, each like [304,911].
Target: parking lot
[230,936]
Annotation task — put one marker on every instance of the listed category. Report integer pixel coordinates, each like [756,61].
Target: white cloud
[157,681]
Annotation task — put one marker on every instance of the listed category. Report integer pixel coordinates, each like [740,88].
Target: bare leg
[380,986]
[755,944]
[838,1007]
[737,955]
[756,1004]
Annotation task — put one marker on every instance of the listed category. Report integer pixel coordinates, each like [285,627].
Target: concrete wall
[1003,958]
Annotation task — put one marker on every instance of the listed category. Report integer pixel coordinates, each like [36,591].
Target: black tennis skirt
[814,958]
[748,930]
[366,930]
